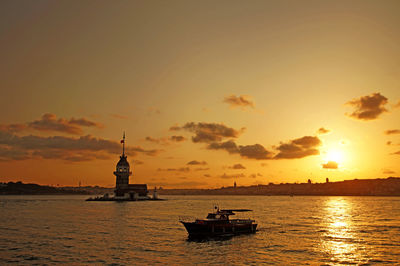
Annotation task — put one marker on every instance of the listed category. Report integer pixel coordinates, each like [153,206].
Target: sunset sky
[208,92]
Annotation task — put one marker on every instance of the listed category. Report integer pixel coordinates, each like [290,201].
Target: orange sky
[207,92]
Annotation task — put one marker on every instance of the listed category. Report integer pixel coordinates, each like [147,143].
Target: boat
[218,223]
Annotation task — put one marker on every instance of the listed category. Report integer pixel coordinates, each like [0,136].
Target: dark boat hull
[201,230]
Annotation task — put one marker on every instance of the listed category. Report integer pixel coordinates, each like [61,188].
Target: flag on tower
[123,138]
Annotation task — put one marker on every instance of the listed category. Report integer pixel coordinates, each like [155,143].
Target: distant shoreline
[19,188]
[358,187]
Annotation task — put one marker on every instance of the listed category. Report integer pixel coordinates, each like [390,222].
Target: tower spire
[123,145]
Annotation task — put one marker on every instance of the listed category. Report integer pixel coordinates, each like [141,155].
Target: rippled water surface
[292,230]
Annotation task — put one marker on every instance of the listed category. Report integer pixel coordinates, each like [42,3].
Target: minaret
[122,172]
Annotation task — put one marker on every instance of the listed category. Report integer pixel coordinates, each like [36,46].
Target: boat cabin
[223,214]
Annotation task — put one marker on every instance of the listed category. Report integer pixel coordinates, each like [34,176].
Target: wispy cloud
[330,165]
[182,169]
[225,176]
[118,116]
[165,140]
[201,169]
[84,148]
[153,110]
[194,162]
[322,131]
[368,107]
[50,123]
[392,131]
[255,151]
[242,101]
[209,132]
[237,166]
[255,175]
[177,138]
[388,172]
[390,143]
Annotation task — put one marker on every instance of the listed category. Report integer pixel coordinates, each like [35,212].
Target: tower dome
[123,162]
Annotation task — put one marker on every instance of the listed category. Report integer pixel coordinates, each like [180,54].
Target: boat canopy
[236,210]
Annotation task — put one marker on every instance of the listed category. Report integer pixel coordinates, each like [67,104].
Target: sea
[299,230]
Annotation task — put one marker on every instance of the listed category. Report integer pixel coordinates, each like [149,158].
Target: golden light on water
[340,240]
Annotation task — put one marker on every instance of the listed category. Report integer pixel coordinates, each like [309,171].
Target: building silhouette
[124,190]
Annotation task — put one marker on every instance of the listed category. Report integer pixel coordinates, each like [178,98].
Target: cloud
[13,128]
[7,154]
[388,172]
[207,175]
[255,151]
[396,153]
[368,107]
[390,143]
[162,141]
[330,165]
[298,148]
[118,116]
[255,175]
[242,101]
[397,105]
[151,139]
[153,110]
[237,166]
[182,169]
[137,162]
[225,176]
[229,146]
[194,162]
[84,148]
[201,169]
[175,128]
[392,131]
[323,131]
[213,134]
[177,138]
[209,132]
[49,123]
[165,141]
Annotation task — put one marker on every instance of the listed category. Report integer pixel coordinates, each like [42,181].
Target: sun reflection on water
[339,239]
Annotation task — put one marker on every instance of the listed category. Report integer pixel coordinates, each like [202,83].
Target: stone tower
[122,172]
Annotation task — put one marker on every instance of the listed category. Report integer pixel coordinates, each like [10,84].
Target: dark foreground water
[292,230]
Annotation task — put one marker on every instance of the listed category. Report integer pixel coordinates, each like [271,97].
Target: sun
[335,155]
